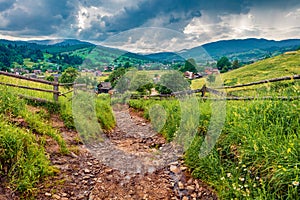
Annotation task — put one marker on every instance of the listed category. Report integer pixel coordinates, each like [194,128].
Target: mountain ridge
[245,50]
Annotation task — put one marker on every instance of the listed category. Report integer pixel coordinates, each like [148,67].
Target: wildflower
[228,175]
[284,169]
[289,150]
[279,166]
[222,178]
[257,178]
[242,179]
[248,191]
[245,169]
[295,183]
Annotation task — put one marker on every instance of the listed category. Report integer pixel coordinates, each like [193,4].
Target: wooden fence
[56,93]
[222,95]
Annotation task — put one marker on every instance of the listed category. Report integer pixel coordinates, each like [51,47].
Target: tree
[127,65]
[116,75]
[141,82]
[235,64]
[223,63]
[69,75]
[138,81]
[190,65]
[174,81]
[162,89]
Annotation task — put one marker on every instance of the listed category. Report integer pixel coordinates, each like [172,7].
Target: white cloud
[271,24]
[88,15]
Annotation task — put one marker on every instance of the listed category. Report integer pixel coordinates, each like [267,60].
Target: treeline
[13,53]
[66,58]
[10,54]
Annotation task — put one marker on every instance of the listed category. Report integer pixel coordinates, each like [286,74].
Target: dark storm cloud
[46,17]
[4,5]
[177,11]
[31,17]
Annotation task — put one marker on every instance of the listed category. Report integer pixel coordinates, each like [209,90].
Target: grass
[23,160]
[22,157]
[278,66]
[256,155]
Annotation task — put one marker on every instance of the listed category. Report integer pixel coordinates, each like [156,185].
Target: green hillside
[283,65]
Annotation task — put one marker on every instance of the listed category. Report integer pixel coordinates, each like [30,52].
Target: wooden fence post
[55,88]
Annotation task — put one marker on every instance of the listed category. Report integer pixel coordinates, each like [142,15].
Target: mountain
[244,50]
[165,57]
[61,42]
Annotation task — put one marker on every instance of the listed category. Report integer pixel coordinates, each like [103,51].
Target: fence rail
[56,93]
[262,81]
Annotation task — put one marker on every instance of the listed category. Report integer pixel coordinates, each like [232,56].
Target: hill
[246,50]
[283,65]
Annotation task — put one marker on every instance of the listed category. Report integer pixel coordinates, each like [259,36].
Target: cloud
[199,20]
[30,17]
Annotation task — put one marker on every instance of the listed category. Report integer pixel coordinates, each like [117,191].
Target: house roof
[105,85]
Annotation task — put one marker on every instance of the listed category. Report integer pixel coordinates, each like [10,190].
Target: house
[189,75]
[104,87]
[97,73]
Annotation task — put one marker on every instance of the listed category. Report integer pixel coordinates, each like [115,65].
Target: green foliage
[235,64]
[11,106]
[69,75]
[257,154]
[190,65]
[22,159]
[50,78]
[104,112]
[162,89]
[116,75]
[141,82]
[174,81]
[223,64]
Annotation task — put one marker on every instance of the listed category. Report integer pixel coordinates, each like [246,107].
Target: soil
[132,162]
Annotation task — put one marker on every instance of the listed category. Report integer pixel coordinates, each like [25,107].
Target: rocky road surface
[132,162]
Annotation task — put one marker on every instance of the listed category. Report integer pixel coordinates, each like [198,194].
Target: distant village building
[189,75]
[37,71]
[31,75]
[104,87]
[98,73]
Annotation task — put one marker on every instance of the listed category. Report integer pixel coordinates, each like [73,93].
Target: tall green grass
[22,157]
[257,154]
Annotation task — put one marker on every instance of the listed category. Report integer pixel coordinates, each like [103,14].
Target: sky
[150,25]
